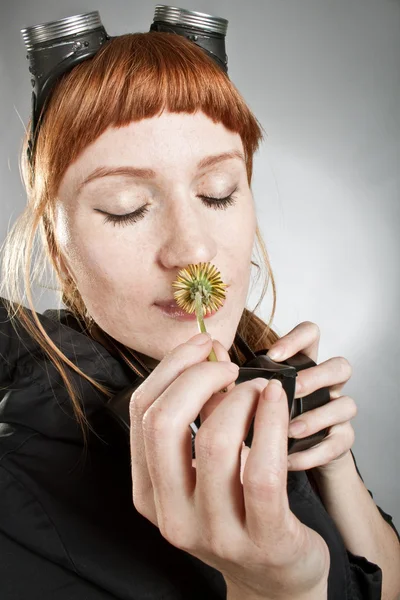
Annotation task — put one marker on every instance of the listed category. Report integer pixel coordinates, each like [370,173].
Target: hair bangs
[133,77]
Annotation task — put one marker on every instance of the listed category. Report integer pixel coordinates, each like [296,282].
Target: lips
[171,309]
[170,303]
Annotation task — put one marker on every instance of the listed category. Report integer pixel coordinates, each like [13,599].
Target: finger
[222,355]
[337,411]
[339,441]
[220,350]
[244,452]
[173,364]
[168,443]
[265,474]
[219,441]
[333,373]
[303,338]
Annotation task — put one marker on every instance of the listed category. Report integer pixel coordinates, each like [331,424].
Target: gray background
[322,76]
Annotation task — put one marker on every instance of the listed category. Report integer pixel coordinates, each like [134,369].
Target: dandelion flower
[200,289]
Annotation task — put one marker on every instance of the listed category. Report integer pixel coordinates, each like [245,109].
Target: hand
[246,531]
[334,373]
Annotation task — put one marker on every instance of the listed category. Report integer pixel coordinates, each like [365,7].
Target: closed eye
[133,217]
[219,202]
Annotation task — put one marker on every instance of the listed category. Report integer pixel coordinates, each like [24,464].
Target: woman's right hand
[245,530]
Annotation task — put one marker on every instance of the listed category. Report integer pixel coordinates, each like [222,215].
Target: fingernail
[274,390]
[296,428]
[275,353]
[200,338]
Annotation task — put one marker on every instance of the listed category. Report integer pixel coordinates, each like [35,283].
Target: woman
[143,165]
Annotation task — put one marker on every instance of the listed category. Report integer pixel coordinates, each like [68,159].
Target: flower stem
[200,322]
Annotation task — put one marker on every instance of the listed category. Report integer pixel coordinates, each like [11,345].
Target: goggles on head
[54,48]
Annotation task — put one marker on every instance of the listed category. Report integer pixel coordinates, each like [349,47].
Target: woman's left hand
[337,414]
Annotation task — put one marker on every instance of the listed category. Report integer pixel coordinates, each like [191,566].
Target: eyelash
[216,204]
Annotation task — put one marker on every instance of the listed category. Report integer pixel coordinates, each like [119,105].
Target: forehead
[170,140]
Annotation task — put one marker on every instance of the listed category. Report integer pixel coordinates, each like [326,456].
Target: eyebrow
[142,173]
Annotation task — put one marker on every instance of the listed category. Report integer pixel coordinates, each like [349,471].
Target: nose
[186,236]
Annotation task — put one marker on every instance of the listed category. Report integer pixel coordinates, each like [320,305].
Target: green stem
[200,322]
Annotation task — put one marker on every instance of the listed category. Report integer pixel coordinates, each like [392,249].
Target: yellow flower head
[203,278]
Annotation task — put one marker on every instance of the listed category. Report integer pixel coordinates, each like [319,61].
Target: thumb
[220,351]
[211,404]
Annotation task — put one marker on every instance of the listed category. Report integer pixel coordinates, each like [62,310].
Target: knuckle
[179,354]
[212,443]
[168,356]
[223,546]
[154,423]
[262,486]
[341,446]
[140,507]
[332,452]
[176,534]
[351,435]
[314,328]
[136,402]
[141,504]
[352,406]
[345,366]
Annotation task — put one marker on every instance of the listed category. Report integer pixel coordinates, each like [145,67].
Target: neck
[99,335]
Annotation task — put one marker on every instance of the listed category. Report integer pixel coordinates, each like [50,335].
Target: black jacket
[68,527]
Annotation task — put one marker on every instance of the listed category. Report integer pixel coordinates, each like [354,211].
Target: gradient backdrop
[323,78]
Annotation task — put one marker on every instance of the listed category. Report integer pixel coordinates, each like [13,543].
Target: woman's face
[121,268]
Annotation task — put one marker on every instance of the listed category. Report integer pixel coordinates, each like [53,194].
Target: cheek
[97,257]
[239,241]
[238,248]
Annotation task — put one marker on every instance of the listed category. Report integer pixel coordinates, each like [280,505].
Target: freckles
[107,264]
[79,248]
[62,227]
